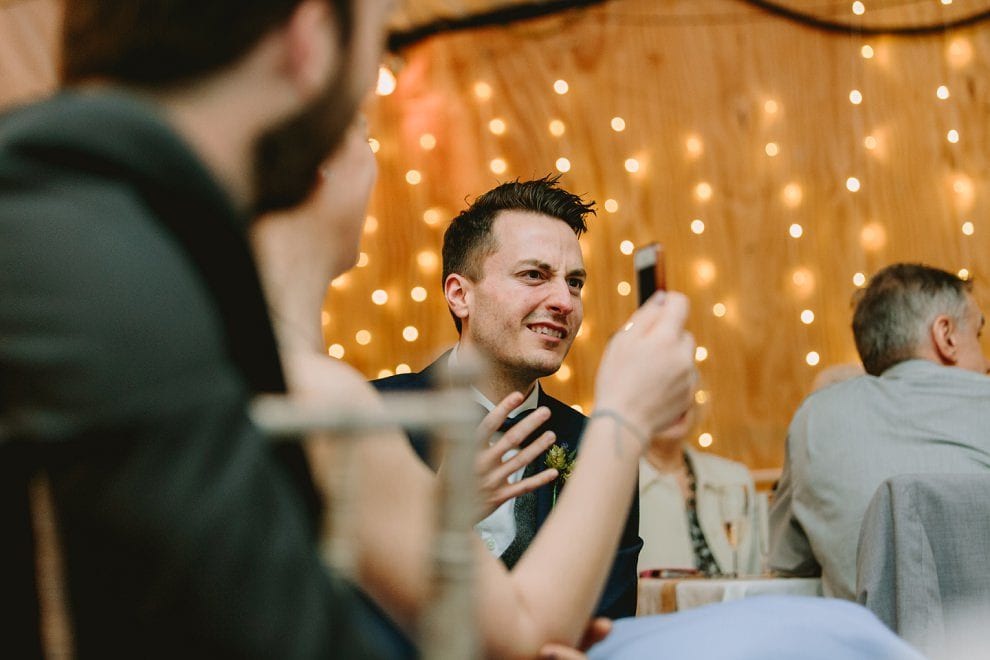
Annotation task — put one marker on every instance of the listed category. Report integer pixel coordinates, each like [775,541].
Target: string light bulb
[698,226]
[963,273]
[703,191]
[626,247]
[771,149]
[618,124]
[807,317]
[859,279]
[564,373]
[700,354]
[705,440]
[694,146]
[497,126]
[855,97]
[498,166]
[561,87]
[563,164]
[370,224]
[967,228]
[796,230]
[336,351]
[792,195]
[427,141]
[557,127]
[402,368]
[432,216]
[362,337]
[631,165]
[704,272]
[414,177]
[410,333]
[852,184]
[858,8]
[482,90]
[812,358]
[623,288]
[427,260]
[719,310]
[386,81]
[866,51]
[611,205]
[952,136]
[942,92]
[379,296]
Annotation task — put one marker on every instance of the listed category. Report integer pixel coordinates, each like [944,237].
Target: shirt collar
[529,403]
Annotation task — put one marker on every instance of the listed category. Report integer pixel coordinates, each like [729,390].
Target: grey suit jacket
[923,564]
[848,438]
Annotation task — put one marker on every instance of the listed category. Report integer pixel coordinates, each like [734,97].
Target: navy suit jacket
[619,598]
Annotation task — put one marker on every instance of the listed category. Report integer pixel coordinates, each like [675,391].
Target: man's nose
[560,299]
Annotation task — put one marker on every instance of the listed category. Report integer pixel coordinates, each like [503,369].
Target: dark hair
[469,239]
[163,43]
[894,312]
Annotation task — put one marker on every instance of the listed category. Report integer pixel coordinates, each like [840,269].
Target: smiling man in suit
[512,277]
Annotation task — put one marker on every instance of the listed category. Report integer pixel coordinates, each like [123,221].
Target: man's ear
[943,331]
[312,47]
[457,289]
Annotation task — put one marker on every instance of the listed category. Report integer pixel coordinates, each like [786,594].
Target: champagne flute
[734,506]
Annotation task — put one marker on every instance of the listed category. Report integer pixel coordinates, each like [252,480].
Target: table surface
[663,595]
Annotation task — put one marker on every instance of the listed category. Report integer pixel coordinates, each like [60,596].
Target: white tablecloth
[660,595]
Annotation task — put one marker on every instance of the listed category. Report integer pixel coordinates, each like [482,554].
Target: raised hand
[493,473]
[647,374]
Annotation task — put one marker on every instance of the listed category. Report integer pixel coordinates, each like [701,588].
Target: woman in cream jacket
[682,500]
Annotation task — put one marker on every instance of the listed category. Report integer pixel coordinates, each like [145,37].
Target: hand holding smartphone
[651,270]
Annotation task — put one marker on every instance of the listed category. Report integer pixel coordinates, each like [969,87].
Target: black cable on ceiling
[403,39]
[502,16]
[828,25]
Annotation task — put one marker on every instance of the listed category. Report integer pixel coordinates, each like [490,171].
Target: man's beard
[288,156]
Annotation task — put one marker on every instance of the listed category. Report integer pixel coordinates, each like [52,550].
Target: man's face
[525,311]
[969,354]
[288,155]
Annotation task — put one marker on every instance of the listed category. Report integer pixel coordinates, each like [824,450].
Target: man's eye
[575,283]
[533,274]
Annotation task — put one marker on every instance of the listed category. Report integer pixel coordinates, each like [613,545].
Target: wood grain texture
[675,70]
[672,70]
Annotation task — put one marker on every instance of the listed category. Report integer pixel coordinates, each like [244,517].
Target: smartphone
[651,271]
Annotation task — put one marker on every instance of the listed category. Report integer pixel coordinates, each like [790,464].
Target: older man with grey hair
[922,406]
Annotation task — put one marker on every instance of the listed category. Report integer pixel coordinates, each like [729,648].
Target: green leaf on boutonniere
[560,460]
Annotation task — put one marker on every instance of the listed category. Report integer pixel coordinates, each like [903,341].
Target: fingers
[665,310]
[527,485]
[597,630]
[494,419]
[523,458]
[560,652]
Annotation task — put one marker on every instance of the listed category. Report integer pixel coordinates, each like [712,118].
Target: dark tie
[524,507]
[509,422]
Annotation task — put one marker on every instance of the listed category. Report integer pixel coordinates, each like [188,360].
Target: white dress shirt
[499,529]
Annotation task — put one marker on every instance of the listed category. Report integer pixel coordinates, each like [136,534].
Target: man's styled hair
[896,309]
[469,238]
[163,43]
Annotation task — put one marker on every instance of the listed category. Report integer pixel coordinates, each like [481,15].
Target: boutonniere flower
[562,460]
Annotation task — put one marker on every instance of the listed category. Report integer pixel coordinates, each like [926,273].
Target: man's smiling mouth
[548,331]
